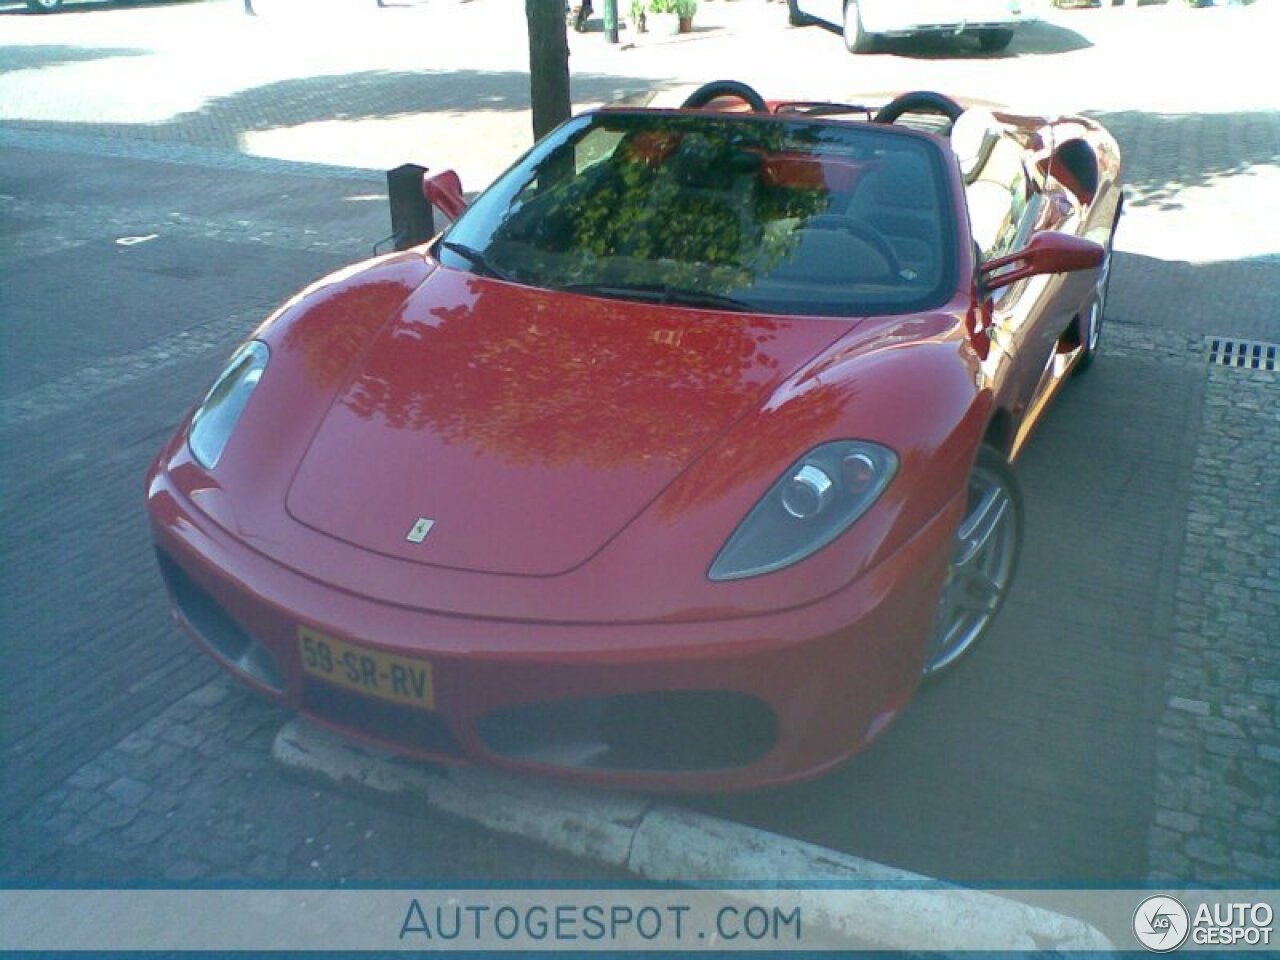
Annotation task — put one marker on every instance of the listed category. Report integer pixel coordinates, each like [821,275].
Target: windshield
[731,211]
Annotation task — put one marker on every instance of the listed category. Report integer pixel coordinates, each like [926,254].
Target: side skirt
[1065,356]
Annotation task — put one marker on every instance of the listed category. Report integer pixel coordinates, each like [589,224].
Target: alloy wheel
[983,563]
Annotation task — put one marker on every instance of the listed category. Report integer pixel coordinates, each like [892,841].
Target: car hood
[499,428]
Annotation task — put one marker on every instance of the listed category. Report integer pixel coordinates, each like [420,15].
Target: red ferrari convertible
[675,462]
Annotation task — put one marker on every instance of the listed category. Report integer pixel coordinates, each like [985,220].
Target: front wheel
[44,6]
[856,39]
[983,562]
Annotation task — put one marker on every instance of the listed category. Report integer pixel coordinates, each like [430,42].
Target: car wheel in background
[856,39]
[44,6]
[985,558]
[995,39]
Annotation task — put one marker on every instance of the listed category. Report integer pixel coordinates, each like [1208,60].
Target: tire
[856,39]
[44,6]
[994,40]
[1090,333]
[795,17]
[988,543]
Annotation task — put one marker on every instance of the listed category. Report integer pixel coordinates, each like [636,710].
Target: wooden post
[412,219]
[548,65]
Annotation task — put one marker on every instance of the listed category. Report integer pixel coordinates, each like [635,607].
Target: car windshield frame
[763,213]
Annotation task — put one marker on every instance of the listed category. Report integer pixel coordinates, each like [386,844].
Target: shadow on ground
[355,96]
[1165,153]
[36,57]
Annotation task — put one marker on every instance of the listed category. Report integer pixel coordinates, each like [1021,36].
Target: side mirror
[1046,253]
[444,191]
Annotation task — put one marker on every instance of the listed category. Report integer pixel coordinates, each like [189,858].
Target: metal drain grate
[1243,354]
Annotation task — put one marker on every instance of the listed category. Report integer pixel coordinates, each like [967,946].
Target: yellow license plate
[382,675]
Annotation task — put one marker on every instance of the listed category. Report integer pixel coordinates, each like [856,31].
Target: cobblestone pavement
[1156,733]
[1217,792]
[192,796]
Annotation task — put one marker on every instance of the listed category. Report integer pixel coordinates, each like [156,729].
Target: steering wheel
[860,229]
[725,88]
[919,101]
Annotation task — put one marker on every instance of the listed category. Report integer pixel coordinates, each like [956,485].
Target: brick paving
[1216,802]
[84,365]
[192,797]
[1217,792]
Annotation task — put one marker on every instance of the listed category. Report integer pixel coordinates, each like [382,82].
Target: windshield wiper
[478,259]
[659,293]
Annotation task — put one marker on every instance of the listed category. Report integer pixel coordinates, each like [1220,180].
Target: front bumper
[706,705]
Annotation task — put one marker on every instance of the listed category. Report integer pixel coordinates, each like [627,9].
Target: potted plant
[684,10]
[638,15]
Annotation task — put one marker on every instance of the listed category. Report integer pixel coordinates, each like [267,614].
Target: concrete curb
[669,845]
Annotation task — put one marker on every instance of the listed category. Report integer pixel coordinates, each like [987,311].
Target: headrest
[972,136]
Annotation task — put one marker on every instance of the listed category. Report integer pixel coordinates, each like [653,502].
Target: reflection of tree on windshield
[682,206]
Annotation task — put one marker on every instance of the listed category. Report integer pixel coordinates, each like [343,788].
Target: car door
[1006,208]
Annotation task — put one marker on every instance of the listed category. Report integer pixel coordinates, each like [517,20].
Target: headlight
[811,504]
[218,413]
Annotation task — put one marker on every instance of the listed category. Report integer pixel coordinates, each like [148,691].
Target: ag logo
[1161,924]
